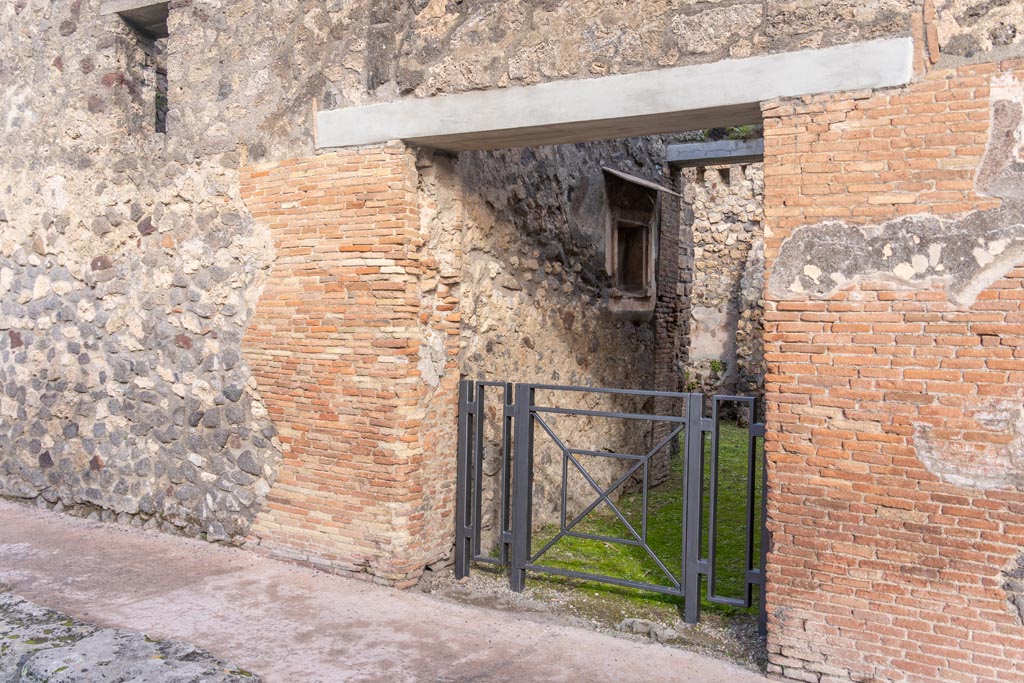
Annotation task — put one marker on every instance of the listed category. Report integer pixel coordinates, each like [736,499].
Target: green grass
[664,531]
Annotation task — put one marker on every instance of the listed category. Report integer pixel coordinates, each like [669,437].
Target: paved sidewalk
[293,625]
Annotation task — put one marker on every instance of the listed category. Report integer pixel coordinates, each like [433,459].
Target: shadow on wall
[534,297]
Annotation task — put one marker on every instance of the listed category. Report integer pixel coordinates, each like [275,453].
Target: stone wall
[894,243]
[432,46]
[268,65]
[973,28]
[129,270]
[132,265]
[535,299]
[723,212]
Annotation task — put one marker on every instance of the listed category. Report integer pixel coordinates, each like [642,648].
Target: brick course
[335,346]
[880,569]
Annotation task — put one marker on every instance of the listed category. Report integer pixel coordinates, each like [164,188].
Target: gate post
[693,484]
[522,483]
[463,484]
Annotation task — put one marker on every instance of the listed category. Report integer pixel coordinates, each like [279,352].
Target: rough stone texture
[38,645]
[534,303]
[269,62]
[895,502]
[455,46]
[967,28]
[129,270]
[723,210]
[131,265]
[1014,586]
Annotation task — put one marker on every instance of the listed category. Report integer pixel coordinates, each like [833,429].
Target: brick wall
[895,386]
[336,346]
[671,316]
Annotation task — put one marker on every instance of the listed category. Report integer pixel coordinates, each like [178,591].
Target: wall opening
[575,270]
[633,267]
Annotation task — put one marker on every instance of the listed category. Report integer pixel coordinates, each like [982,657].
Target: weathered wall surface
[535,302]
[973,28]
[129,271]
[132,265]
[454,46]
[340,344]
[723,211]
[896,378]
[266,65]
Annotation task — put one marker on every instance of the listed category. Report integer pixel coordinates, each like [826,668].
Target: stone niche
[632,217]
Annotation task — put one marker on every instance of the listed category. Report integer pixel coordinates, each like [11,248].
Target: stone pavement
[293,625]
[40,645]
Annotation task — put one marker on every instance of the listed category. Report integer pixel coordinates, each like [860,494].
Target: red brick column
[895,438]
[335,345]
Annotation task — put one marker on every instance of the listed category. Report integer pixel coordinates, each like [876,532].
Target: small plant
[748,132]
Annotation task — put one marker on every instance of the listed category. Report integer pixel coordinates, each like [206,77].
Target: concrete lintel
[147,16]
[715,153]
[724,93]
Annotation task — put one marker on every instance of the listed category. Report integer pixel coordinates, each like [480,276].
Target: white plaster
[983,256]
[904,271]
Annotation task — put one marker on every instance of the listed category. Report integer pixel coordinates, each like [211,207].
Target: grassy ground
[664,533]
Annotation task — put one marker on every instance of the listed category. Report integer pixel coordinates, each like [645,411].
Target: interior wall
[723,212]
[534,296]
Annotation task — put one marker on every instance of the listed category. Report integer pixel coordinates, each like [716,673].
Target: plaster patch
[432,358]
[990,457]
[812,272]
[968,254]
[944,251]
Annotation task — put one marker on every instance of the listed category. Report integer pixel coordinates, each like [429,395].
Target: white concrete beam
[715,152]
[725,93]
[147,16]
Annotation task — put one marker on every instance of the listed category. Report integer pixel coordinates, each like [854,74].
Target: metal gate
[523,418]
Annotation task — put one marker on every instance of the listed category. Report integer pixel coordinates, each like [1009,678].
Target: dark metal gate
[522,417]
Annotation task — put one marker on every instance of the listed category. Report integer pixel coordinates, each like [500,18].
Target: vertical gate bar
[713,496]
[751,495]
[506,472]
[522,499]
[643,506]
[478,465]
[565,486]
[693,487]
[762,616]
[463,550]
